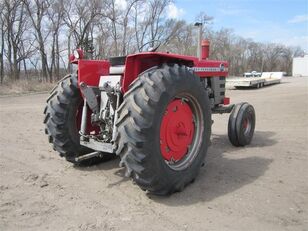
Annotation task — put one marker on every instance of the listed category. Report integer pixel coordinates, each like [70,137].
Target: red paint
[72,59]
[137,63]
[226,101]
[176,130]
[90,71]
[212,64]
[205,49]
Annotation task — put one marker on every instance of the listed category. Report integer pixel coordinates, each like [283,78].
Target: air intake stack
[203,48]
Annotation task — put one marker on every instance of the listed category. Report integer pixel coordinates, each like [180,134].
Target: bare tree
[80,18]
[37,11]
[272,53]
[124,23]
[56,17]
[149,18]
[2,31]
[18,47]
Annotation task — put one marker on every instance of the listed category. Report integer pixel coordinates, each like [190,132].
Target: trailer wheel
[241,124]
[164,129]
[62,121]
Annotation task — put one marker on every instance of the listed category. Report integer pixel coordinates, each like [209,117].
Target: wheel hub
[176,130]
[245,123]
[246,126]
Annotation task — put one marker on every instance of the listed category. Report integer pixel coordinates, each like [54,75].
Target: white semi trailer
[267,78]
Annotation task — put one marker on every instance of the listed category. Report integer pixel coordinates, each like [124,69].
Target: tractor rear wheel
[62,121]
[164,128]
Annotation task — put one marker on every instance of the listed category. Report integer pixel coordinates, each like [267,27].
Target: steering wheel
[156,44]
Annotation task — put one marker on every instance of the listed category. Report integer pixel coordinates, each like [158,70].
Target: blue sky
[281,21]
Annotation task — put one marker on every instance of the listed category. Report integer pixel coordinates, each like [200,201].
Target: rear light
[226,100]
[77,54]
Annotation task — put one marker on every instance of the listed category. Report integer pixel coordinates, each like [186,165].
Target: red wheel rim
[176,130]
[246,125]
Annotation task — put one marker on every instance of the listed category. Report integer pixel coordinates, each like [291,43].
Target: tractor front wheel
[241,124]
[164,129]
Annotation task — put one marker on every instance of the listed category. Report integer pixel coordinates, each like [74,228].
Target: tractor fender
[137,63]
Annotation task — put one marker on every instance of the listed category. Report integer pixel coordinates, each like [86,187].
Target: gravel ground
[260,187]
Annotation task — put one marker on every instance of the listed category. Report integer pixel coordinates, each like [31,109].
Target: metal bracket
[89,94]
[222,109]
[83,126]
[98,146]
[114,132]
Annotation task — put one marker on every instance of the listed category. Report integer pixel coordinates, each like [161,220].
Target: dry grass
[24,86]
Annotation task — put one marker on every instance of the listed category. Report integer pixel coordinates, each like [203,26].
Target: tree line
[37,36]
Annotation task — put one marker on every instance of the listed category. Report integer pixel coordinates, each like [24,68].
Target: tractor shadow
[226,170]
[111,162]
[105,165]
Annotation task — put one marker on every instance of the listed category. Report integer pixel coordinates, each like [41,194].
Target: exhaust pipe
[199,25]
[203,49]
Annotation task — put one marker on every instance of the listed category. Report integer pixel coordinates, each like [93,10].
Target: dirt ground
[260,187]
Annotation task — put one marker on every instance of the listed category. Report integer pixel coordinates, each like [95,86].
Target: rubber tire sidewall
[236,118]
[246,112]
[167,179]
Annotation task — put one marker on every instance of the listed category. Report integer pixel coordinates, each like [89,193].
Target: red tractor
[153,109]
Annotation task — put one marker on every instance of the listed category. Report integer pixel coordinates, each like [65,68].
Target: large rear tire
[164,129]
[61,122]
